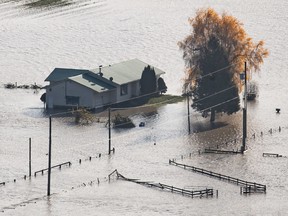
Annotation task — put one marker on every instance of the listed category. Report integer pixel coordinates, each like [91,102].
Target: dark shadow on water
[47,4]
[35,112]
[38,112]
[207,126]
[41,4]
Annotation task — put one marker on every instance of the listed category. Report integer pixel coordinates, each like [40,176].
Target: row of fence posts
[50,146]
[200,193]
[110,150]
[30,165]
[248,186]
[270,131]
[47,169]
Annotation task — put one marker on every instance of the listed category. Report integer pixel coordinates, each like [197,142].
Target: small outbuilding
[97,87]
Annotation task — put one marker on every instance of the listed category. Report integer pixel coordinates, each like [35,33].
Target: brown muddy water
[86,34]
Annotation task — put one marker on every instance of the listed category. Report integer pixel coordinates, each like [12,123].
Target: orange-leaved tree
[214,54]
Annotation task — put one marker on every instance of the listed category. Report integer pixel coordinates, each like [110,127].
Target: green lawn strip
[165,99]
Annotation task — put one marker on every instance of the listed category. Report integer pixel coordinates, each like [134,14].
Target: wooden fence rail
[218,151]
[271,155]
[200,193]
[58,165]
[252,185]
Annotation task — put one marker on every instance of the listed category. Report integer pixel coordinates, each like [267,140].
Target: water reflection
[35,112]
[49,205]
[199,127]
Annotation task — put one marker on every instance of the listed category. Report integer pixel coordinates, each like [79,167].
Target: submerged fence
[248,186]
[218,151]
[207,192]
[58,165]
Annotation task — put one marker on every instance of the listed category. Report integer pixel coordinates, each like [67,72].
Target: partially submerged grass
[165,99]
[122,121]
[143,106]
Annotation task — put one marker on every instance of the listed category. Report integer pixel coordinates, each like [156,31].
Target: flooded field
[85,34]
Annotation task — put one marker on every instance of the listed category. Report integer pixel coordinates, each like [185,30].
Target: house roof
[59,74]
[122,73]
[92,82]
[125,72]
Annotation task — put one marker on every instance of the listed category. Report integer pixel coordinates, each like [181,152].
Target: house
[97,87]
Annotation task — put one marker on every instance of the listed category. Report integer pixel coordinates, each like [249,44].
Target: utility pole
[49,155]
[109,126]
[30,157]
[244,112]
[189,129]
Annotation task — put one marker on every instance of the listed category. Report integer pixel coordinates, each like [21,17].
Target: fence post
[49,156]
[109,134]
[188,109]
[30,157]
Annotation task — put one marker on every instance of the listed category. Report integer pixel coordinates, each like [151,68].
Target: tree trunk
[212,117]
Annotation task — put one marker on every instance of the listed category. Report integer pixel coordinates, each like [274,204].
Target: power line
[126,123]
[140,96]
[141,131]
[226,89]
[219,104]
[152,105]
[219,70]
[125,135]
[117,137]
[146,105]
[80,133]
[155,104]
[214,94]
[211,73]
[126,108]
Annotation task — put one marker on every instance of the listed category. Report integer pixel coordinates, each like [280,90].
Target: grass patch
[156,100]
[165,99]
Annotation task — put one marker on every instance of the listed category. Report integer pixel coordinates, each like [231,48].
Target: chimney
[100,73]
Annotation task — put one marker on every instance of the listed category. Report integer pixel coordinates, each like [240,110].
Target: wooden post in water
[30,157]
[244,112]
[189,129]
[49,155]
[109,126]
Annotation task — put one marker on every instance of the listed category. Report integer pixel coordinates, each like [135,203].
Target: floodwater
[86,34]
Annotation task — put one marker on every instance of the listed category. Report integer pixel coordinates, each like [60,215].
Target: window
[72,100]
[124,89]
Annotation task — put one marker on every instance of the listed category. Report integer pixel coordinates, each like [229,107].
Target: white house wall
[135,88]
[56,94]
[104,98]
[56,97]
[133,91]
[86,95]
